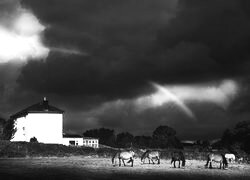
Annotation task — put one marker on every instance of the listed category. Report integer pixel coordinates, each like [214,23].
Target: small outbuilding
[72,140]
[91,142]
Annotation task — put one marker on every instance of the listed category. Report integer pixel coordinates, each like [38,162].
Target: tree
[2,124]
[124,139]
[238,137]
[163,132]
[227,138]
[106,136]
[33,140]
[9,129]
[164,136]
[143,141]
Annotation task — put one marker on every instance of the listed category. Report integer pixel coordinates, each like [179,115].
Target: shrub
[33,140]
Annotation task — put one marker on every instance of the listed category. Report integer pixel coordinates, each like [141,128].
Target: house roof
[41,107]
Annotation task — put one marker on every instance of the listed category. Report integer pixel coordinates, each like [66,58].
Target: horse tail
[208,159]
[144,155]
[113,158]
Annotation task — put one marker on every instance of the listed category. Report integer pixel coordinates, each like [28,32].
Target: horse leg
[174,165]
[158,160]
[152,161]
[123,162]
[149,160]
[132,162]
[220,164]
[206,165]
[210,164]
[119,161]
[179,163]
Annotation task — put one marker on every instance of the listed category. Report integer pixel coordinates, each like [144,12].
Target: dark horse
[151,155]
[124,155]
[220,158]
[178,156]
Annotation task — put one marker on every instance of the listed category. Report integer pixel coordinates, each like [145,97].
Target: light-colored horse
[219,158]
[151,155]
[124,155]
[230,157]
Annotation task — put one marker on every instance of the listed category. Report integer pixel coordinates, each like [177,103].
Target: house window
[72,143]
[90,142]
[83,142]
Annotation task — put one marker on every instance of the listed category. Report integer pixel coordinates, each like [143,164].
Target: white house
[45,123]
[42,121]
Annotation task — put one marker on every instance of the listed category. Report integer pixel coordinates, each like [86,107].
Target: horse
[240,160]
[178,156]
[124,155]
[230,157]
[220,158]
[151,155]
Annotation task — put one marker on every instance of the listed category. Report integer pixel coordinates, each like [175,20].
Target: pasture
[94,167]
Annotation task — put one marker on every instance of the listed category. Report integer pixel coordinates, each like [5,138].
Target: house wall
[20,125]
[46,127]
[78,141]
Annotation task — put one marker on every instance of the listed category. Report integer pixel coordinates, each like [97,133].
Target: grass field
[86,167]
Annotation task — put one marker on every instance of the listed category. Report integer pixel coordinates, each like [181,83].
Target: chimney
[45,104]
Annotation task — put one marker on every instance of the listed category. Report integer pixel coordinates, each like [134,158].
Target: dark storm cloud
[129,43]
[222,27]
[114,35]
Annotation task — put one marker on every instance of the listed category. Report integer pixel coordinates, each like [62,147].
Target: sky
[129,65]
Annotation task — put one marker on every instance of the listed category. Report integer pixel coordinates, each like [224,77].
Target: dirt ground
[101,168]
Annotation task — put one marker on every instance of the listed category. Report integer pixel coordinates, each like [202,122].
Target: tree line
[236,139]
[162,137]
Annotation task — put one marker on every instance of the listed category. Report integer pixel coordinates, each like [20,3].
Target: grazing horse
[230,157]
[178,156]
[220,158]
[151,155]
[124,155]
[240,160]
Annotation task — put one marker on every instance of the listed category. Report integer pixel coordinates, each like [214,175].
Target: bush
[33,140]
